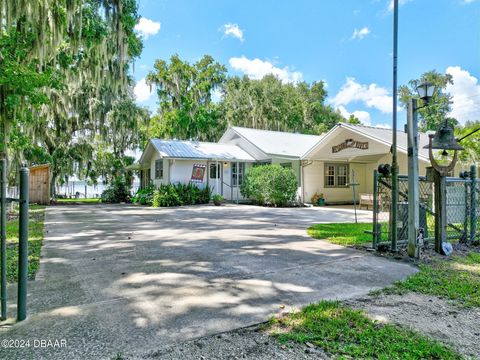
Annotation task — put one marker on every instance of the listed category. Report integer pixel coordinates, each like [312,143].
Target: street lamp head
[444,139]
[425,91]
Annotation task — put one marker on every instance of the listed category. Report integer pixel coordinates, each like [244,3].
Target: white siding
[181,171]
[314,182]
[165,179]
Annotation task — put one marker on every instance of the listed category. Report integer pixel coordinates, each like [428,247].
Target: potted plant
[321,200]
[218,199]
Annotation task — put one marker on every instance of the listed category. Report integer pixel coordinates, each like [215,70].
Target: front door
[215,177]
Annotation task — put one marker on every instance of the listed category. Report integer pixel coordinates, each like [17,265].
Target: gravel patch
[248,343]
[436,317]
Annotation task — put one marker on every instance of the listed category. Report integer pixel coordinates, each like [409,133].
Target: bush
[180,194]
[118,191]
[144,196]
[270,185]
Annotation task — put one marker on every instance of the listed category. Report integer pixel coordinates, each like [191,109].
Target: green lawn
[35,242]
[342,234]
[79,200]
[350,334]
[456,279]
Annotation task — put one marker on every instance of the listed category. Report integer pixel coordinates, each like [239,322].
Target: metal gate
[462,198]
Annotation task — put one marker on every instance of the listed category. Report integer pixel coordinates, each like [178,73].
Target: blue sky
[346,43]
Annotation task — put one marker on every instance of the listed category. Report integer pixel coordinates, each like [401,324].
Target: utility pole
[413,185]
[393,212]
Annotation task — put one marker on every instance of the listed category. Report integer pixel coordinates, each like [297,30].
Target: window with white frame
[237,172]
[159,169]
[214,171]
[336,175]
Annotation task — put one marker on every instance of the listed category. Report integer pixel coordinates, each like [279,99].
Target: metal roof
[386,136]
[381,135]
[277,142]
[178,149]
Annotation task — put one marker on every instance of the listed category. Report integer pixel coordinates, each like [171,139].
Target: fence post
[440,211]
[3,239]
[473,203]
[375,209]
[23,246]
[466,235]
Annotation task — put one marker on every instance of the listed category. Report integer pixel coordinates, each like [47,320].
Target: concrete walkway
[125,279]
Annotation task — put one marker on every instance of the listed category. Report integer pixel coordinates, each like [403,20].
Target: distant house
[322,163]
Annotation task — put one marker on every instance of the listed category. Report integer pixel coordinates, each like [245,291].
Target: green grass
[35,242]
[79,200]
[342,234]
[349,333]
[456,279]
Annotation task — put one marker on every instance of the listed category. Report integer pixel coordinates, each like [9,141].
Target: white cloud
[142,91]
[147,27]
[468,1]
[257,69]
[360,34]
[372,95]
[400,3]
[363,116]
[466,95]
[233,30]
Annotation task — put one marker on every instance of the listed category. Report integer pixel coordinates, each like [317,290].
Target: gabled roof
[177,149]
[382,135]
[275,142]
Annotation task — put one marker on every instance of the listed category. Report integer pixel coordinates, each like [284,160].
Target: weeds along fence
[462,199]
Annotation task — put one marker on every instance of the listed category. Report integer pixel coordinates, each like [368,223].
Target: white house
[322,163]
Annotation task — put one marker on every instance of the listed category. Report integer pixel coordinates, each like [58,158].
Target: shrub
[180,194]
[118,191]
[144,196]
[270,185]
[166,195]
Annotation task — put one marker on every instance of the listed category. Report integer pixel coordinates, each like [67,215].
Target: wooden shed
[40,184]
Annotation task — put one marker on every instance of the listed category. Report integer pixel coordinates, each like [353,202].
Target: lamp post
[415,234]
[394,168]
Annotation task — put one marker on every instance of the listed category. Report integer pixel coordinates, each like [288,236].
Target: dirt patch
[248,343]
[430,315]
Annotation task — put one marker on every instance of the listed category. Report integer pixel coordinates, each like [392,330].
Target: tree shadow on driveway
[132,279]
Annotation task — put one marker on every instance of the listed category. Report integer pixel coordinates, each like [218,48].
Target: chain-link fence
[383,197]
[457,206]
[460,203]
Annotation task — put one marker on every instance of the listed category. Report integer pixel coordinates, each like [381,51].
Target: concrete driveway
[125,279]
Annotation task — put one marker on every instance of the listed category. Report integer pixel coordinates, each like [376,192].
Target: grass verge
[346,234]
[456,279]
[79,201]
[35,242]
[350,333]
